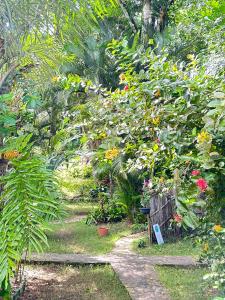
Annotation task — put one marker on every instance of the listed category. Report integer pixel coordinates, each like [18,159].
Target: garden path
[135,271]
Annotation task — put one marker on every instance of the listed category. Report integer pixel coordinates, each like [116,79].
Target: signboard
[158,234]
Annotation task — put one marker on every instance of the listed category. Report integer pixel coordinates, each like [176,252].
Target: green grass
[73,209]
[81,238]
[184,284]
[83,283]
[181,247]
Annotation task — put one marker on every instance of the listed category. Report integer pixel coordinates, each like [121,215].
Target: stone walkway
[136,272]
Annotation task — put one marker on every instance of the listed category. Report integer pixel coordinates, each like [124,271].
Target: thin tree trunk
[155,18]
[130,19]
[3,165]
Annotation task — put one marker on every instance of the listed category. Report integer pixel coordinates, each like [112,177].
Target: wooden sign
[158,234]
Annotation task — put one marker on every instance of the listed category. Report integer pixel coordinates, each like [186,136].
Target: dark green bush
[142,243]
[112,212]
[135,228]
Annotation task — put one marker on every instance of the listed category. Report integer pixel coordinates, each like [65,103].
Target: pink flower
[202,184]
[195,173]
[177,218]
[126,88]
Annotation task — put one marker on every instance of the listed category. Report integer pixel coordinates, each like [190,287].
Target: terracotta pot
[103,231]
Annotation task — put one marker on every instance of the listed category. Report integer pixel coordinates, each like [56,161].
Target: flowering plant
[202,184]
[147,193]
[112,153]
[195,173]
[212,239]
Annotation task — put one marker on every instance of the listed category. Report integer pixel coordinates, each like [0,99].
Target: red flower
[126,88]
[195,173]
[202,184]
[177,218]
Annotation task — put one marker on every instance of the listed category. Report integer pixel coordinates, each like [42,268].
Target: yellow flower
[174,68]
[157,93]
[217,228]
[191,57]
[102,135]
[155,147]
[161,179]
[11,154]
[203,137]
[55,79]
[156,120]
[117,91]
[112,153]
[206,247]
[122,77]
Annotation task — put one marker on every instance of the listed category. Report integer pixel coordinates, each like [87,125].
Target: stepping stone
[141,281]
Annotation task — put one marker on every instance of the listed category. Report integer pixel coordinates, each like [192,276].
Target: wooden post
[149,229]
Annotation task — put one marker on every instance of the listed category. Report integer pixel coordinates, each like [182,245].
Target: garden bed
[60,282]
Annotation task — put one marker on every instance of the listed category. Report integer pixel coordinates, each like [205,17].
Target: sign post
[158,234]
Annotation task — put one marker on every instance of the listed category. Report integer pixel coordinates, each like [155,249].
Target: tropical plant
[28,201]
[112,212]
[212,239]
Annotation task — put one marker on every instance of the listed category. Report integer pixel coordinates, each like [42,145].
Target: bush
[135,228]
[139,218]
[142,243]
[94,192]
[212,239]
[112,212]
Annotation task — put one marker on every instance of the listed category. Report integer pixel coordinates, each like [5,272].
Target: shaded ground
[59,282]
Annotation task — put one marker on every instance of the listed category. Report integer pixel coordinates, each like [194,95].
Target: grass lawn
[73,209]
[181,247]
[183,284]
[64,282]
[81,238]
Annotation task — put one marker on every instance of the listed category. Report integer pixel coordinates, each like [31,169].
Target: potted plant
[146,196]
[103,231]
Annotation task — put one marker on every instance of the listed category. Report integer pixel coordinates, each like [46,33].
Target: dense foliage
[135,88]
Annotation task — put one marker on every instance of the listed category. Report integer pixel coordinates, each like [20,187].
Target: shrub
[135,228]
[213,242]
[112,212]
[142,243]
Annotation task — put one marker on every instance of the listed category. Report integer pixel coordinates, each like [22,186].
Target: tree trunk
[148,21]
[3,165]
[155,18]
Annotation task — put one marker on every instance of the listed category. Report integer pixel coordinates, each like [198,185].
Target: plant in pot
[103,199]
[146,196]
[103,231]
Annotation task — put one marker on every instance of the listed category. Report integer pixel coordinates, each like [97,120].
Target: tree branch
[130,19]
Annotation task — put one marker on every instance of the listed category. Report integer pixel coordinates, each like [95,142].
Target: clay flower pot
[103,231]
